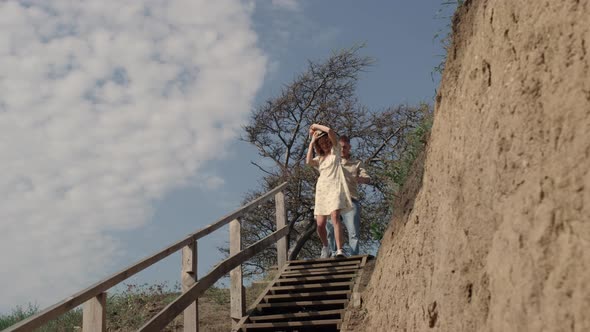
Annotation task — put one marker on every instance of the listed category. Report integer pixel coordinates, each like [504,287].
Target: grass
[399,170]
[416,142]
[70,321]
[127,310]
[445,13]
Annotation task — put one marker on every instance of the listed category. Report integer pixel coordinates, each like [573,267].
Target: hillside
[497,237]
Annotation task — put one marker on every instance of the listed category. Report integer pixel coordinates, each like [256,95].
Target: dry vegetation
[129,309]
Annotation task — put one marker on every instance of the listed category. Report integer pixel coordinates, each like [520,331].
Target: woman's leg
[335,216]
[321,229]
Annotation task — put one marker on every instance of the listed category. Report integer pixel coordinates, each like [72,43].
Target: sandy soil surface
[498,236]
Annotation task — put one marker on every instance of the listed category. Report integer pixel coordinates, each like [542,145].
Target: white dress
[331,191]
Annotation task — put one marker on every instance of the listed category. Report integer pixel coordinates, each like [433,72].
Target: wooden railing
[94,297]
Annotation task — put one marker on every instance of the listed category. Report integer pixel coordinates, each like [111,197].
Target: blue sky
[130,139]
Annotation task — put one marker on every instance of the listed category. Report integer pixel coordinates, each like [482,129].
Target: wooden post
[189,278]
[94,314]
[238,305]
[281,219]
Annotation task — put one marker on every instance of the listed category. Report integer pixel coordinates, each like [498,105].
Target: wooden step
[313,286]
[300,280]
[314,323]
[317,265]
[289,305]
[300,315]
[292,296]
[319,272]
[323,261]
[308,295]
[301,304]
[307,261]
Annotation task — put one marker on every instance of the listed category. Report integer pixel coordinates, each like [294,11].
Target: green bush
[399,170]
[416,141]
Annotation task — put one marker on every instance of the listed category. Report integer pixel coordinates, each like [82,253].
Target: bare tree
[324,93]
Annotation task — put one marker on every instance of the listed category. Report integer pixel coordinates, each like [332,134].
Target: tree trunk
[310,229]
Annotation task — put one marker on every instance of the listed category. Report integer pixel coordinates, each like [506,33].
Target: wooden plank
[238,213]
[237,304]
[265,292]
[318,278]
[188,279]
[356,294]
[316,265]
[323,268]
[94,314]
[306,314]
[258,300]
[172,310]
[364,261]
[324,294]
[75,300]
[300,303]
[325,260]
[306,261]
[281,220]
[307,273]
[318,323]
[306,286]
[103,285]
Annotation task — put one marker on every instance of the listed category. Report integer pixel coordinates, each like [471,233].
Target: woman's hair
[323,145]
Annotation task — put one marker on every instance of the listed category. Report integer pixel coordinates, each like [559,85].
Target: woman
[331,195]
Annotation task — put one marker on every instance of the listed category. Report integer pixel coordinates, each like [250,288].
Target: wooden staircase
[307,295]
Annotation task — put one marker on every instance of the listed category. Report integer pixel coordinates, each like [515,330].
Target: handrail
[79,298]
[173,309]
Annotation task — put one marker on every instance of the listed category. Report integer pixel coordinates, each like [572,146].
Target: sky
[119,120]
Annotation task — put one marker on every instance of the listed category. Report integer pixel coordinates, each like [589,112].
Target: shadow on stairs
[307,295]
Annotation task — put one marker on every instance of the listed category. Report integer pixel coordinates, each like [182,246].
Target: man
[354,174]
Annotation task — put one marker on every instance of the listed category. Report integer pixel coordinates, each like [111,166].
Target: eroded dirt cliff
[498,237]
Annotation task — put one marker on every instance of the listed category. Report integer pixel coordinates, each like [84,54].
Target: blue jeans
[352,221]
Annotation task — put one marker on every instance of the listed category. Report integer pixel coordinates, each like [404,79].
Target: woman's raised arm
[326,129]
[309,157]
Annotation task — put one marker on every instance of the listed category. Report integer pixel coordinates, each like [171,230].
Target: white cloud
[104,107]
